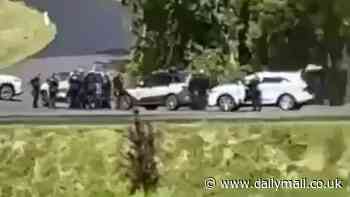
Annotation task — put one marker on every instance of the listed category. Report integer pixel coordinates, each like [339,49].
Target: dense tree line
[284,34]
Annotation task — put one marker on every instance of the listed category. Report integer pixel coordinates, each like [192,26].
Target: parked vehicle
[10,86]
[159,89]
[284,89]
[63,88]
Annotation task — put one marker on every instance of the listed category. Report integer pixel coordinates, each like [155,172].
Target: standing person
[90,89]
[118,86]
[81,94]
[255,93]
[198,87]
[99,90]
[74,89]
[106,89]
[35,83]
[53,90]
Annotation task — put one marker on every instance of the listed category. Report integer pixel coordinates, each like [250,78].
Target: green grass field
[22,32]
[74,161]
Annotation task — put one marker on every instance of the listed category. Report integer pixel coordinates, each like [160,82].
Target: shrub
[141,167]
[217,65]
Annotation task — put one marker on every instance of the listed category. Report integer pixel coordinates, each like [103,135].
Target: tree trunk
[243,50]
[170,56]
[263,50]
[336,76]
[346,61]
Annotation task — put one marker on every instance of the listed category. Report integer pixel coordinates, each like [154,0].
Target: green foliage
[134,69]
[140,165]
[335,147]
[55,162]
[221,36]
[249,150]
[173,32]
[215,65]
[86,161]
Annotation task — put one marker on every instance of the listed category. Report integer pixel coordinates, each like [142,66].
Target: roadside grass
[86,160]
[22,32]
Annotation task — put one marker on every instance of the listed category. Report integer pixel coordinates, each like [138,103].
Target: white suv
[159,89]
[63,88]
[285,89]
[10,86]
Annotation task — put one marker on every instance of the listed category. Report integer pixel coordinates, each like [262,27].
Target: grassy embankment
[85,161]
[23,32]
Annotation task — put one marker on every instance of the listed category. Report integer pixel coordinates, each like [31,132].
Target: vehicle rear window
[164,80]
[158,80]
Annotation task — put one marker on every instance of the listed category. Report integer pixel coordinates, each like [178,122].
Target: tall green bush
[217,66]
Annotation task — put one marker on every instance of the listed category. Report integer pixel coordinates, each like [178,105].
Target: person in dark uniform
[106,91]
[74,90]
[99,90]
[118,87]
[53,90]
[198,86]
[90,89]
[82,94]
[35,83]
[255,94]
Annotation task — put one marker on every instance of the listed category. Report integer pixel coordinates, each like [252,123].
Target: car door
[158,88]
[142,93]
[271,88]
[161,88]
[179,83]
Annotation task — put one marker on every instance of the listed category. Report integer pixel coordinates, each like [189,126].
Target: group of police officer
[92,90]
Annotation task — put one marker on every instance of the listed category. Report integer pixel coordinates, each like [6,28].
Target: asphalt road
[85,26]
[46,66]
[20,110]
[62,115]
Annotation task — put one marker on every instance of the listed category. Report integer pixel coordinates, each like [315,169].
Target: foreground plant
[140,156]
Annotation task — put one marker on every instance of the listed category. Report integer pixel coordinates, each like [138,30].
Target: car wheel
[227,103]
[6,92]
[286,102]
[171,103]
[125,102]
[151,107]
